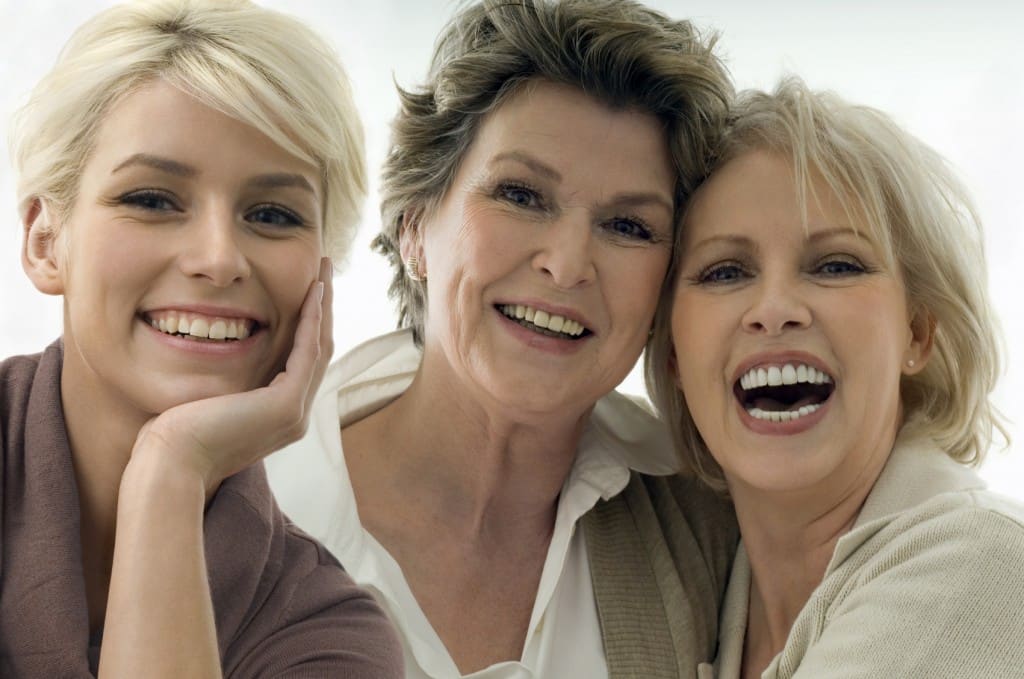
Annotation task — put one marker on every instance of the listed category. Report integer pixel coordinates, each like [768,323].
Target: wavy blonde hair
[907,197]
[261,67]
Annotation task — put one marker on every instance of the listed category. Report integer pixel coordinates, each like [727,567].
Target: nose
[777,306]
[212,251]
[566,253]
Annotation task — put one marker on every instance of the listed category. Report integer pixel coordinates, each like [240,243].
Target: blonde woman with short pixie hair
[825,358]
[183,171]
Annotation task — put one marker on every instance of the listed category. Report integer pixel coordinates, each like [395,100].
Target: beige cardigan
[659,557]
[928,583]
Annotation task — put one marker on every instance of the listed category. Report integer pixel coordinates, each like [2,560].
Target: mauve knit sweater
[283,605]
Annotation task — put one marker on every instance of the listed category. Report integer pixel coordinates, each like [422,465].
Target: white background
[950,71]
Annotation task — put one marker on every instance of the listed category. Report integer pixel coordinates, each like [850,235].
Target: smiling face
[789,342]
[545,257]
[191,245]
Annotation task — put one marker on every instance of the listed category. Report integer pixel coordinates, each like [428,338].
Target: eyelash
[146,199]
[707,276]
[638,228]
[291,219]
[855,267]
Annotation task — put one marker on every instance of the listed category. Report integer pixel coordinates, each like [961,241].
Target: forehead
[757,195]
[572,131]
[159,119]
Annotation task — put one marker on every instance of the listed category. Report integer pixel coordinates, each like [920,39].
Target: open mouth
[542,322]
[199,327]
[783,393]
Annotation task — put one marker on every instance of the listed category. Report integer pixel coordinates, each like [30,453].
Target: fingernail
[319,292]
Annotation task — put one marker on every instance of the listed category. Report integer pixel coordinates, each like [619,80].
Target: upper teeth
[790,373]
[197,325]
[543,319]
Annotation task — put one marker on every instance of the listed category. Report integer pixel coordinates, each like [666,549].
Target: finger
[326,326]
[302,361]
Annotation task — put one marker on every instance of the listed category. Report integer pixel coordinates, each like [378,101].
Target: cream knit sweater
[929,583]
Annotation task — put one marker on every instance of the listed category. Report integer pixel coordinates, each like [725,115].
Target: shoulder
[947,532]
[305,616]
[939,589]
[16,376]
[30,395]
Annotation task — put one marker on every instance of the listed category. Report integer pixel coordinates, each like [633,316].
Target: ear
[410,238]
[922,333]
[40,256]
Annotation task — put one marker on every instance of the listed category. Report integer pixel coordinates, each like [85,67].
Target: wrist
[157,477]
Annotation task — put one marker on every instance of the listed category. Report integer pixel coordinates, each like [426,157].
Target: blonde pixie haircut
[622,53]
[261,67]
[904,194]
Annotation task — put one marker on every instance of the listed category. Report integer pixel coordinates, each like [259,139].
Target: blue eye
[629,228]
[273,215]
[838,268]
[726,272]
[519,195]
[149,200]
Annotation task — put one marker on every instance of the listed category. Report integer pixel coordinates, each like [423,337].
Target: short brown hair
[622,53]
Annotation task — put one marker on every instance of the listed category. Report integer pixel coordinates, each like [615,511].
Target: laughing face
[190,247]
[545,258]
[789,341]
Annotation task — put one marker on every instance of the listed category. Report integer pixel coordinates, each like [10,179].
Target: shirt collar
[621,434]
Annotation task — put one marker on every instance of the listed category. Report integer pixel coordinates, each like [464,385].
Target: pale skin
[758,288]
[468,509]
[153,429]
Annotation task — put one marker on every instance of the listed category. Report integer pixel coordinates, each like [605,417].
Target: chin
[171,395]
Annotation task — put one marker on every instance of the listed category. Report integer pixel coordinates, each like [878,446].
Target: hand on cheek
[211,439]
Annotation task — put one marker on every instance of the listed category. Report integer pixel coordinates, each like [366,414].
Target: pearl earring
[910,363]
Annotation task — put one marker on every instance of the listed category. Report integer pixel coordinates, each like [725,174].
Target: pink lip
[766,359]
[780,358]
[553,310]
[209,310]
[551,345]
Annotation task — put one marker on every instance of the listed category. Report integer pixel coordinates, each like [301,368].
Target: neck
[483,473]
[790,538]
[101,434]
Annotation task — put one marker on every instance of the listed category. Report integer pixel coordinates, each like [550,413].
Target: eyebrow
[627,199]
[173,167]
[157,163]
[832,232]
[282,180]
[743,241]
[529,161]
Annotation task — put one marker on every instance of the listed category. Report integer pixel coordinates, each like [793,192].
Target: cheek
[634,284]
[287,274]
[701,331]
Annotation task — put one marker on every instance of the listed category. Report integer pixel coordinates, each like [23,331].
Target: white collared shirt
[312,485]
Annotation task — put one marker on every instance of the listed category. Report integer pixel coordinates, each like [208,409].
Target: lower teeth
[783,415]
